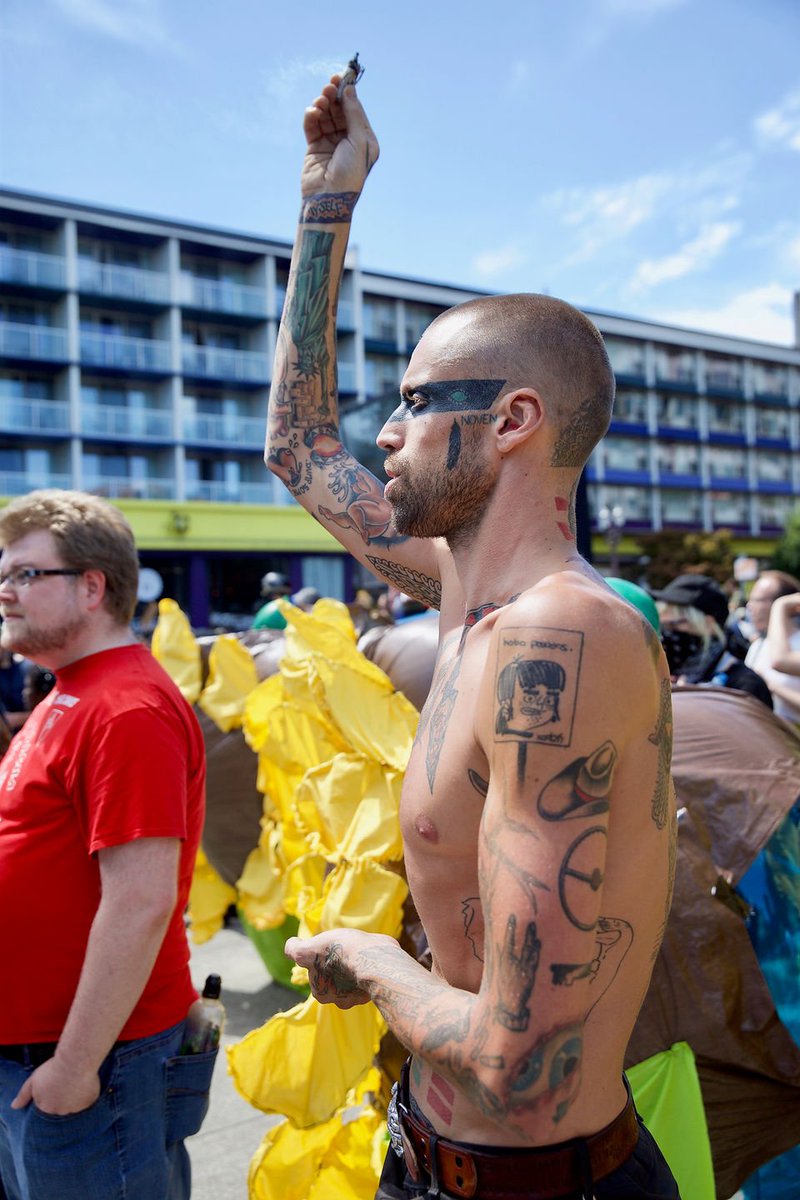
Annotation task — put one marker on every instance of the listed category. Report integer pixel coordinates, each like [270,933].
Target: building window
[727,464]
[626,356]
[681,507]
[635,502]
[627,454]
[379,319]
[724,372]
[770,380]
[730,508]
[774,468]
[678,412]
[772,423]
[675,365]
[725,418]
[774,511]
[417,319]
[630,407]
[382,375]
[677,458]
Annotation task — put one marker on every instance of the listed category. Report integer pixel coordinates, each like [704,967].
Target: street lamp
[611,522]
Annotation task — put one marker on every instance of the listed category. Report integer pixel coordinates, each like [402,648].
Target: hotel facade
[135,361]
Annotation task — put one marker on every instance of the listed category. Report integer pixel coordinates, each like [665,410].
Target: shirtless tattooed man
[538,814]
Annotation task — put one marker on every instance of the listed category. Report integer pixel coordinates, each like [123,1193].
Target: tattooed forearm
[309,316]
[517,973]
[328,208]
[412,583]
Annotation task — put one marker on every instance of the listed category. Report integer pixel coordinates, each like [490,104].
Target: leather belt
[29,1054]
[497,1173]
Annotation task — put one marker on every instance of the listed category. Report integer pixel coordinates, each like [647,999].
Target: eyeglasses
[23,577]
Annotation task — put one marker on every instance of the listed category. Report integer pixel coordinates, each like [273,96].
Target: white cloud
[137,22]
[781,124]
[763,314]
[692,256]
[680,200]
[491,263]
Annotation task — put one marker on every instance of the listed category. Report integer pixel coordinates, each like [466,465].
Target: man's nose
[391,436]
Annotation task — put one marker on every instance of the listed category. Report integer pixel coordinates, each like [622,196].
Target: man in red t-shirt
[101,810]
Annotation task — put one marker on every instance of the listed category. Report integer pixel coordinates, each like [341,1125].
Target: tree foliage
[787,552]
[672,552]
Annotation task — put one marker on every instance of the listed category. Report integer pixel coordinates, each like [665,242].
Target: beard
[448,503]
[20,638]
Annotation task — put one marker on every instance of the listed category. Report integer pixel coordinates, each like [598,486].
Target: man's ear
[519,415]
[94,583]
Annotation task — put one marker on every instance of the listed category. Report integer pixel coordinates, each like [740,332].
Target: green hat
[269,617]
[639,598]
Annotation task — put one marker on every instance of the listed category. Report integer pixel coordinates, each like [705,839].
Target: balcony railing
[131,283]
[239,299]
[125,353]
[32,269]
[105,421]
[17,483]
[122,488]
[219,492]
[232,430]
[214,362]
[33,416]
[42,342]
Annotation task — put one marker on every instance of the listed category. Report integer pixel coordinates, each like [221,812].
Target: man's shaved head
[539,342]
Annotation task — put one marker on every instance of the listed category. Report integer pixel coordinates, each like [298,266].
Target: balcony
[44,343]
[225,429]
[346,376]
[31,269]
[213,362]
[33,416]
[125,353]
[18,483]
[218,492]
[128,283]
[122,488]
[211,295]
[140,424]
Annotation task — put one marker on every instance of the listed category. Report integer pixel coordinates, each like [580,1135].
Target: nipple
[426,829]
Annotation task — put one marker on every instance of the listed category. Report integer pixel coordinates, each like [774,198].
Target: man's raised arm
[304,447]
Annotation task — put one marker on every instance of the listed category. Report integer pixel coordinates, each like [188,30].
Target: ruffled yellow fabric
[231,678]
[175,647]
[209,899]
[302,1063]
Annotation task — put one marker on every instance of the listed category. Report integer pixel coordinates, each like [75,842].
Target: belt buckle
[401,1142]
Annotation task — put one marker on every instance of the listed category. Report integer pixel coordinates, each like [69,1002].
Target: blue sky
[632,156]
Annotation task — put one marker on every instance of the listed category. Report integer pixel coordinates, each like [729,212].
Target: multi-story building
[135,359]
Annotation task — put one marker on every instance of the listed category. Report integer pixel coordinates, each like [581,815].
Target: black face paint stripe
[453,395]
[454,447]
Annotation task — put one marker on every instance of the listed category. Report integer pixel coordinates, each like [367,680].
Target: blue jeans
[128,1145]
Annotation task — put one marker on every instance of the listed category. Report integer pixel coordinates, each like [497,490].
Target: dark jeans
[644,1176]
[128,1144]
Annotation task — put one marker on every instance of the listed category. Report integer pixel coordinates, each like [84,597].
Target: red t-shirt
[114,753]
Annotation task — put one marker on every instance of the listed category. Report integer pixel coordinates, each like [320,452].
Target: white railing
[234,430]
[33,341]
[17,483]
[219,492]
[33,416]
[240,299]
[134,283]
[214,362]
[122,488]
[32,268]
[126,353]
[105,421]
